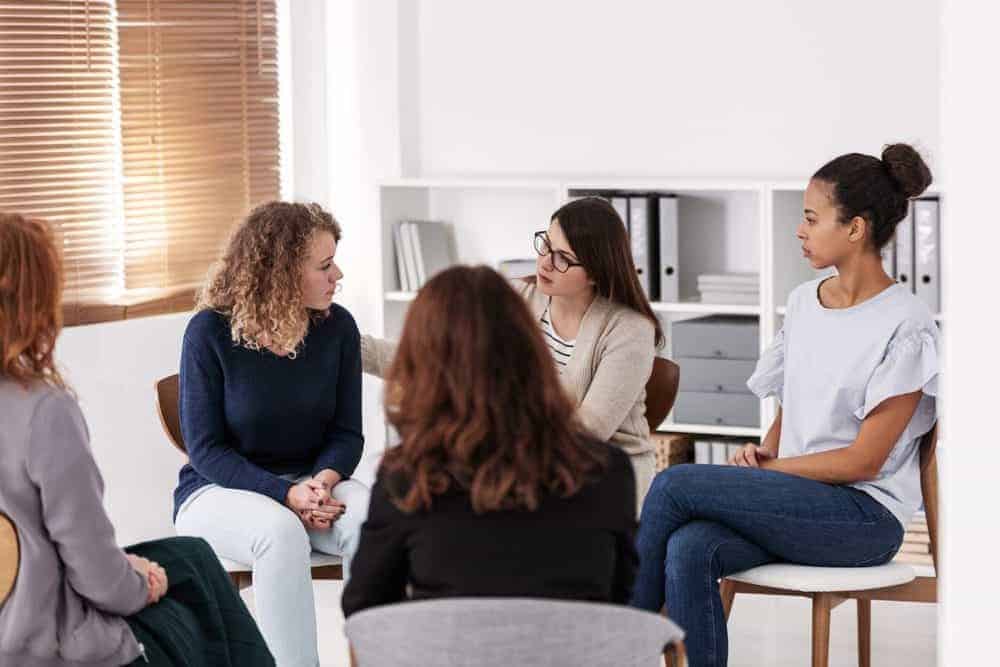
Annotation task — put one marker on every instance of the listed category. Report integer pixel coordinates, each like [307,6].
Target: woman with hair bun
[270,409]
[855,369]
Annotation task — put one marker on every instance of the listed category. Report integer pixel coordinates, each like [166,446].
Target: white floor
[763,631]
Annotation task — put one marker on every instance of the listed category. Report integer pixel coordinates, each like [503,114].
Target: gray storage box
[699,407]
[715,375]
[717,337]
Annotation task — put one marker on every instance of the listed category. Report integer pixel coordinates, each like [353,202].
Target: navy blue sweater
[248,417]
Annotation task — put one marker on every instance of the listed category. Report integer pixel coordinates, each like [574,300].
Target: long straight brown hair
[474,394]
[30,301]
[597,235]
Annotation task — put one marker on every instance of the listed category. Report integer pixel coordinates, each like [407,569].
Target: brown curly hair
[474,394]
[258,281]
[30,301]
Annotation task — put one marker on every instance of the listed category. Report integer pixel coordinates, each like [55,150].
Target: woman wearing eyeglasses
[598,324]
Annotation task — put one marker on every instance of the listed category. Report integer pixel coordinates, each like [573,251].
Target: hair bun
[907,169]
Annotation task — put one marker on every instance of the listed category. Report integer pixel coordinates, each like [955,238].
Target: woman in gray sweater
[79,600]
[597,322]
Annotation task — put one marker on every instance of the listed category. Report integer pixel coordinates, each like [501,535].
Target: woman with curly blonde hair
[270,410]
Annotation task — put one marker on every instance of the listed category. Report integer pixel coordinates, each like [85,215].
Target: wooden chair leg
[864,633]
[727,590]
[822,605]
[240,580]
[675,655]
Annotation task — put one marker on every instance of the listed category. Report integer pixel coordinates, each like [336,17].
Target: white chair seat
[808,579]
[316,560]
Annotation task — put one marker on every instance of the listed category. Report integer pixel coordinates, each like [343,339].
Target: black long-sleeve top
[577,548]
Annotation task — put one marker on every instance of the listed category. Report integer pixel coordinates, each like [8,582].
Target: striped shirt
[561,348]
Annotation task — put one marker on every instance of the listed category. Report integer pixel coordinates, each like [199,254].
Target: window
[142,130]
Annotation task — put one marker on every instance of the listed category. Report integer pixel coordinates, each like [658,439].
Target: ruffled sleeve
[910,364]
[768,378]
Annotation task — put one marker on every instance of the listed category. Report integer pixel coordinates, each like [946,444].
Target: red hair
[30,300]
[474,394]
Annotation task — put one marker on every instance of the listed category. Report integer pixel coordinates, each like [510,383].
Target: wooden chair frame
[10,556]
[921,589]
[661,391]
[168,408]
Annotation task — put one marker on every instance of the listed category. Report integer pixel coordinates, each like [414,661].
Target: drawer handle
[718,421]
[718,387]
[717,353]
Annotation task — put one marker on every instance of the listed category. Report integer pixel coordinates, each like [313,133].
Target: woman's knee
[690,549]
[282,533]
[668,482]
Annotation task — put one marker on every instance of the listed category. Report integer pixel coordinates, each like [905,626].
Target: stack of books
[422,249]
[916,549]
[671,449]
[729,288]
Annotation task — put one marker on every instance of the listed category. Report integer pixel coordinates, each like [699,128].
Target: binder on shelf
[408,230]
[423,249]
[620,205]
[888,253]
[640,235]
[904,250]
[668,271]
[434,248]
[402,260]
[927,252]
[702,451]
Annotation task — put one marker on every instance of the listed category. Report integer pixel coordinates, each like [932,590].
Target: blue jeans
[702,522]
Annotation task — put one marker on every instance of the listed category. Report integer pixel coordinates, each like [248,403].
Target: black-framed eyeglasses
[560,260]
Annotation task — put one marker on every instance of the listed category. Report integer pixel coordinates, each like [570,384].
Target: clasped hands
[153,573]
[312,501]
[751,456]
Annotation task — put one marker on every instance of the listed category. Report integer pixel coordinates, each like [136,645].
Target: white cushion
[826,579]
[316,560]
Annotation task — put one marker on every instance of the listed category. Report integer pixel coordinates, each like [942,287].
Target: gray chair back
[483,632]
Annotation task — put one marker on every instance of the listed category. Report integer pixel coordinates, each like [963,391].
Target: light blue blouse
[830,368]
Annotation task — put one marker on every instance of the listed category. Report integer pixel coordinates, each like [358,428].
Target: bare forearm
[773,437]
[863,458]
[837,466]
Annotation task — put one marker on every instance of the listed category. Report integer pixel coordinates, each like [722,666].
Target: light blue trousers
[252,528]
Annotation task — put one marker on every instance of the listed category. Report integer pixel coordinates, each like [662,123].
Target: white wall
[113,367]
[970,238]
[769,88]
[306,114]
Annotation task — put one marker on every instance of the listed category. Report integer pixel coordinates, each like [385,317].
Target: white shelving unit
[723,226]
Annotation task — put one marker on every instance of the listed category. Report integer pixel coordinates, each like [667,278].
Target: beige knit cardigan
[606,375]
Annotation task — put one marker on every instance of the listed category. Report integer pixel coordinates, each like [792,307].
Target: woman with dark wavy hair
[601,332]
[495,490]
